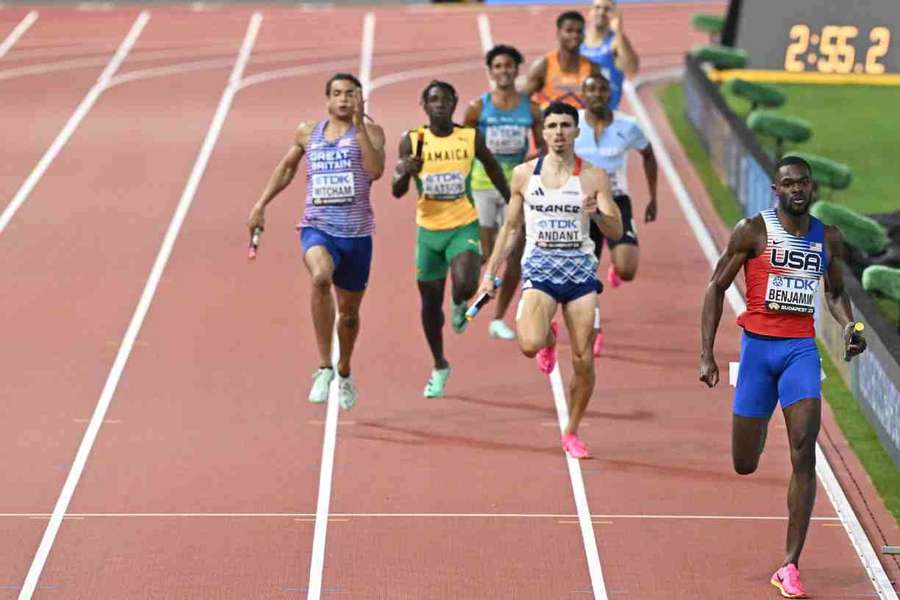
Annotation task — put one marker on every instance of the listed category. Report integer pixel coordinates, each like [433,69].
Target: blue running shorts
[352,256]
[564,292]
[775,369]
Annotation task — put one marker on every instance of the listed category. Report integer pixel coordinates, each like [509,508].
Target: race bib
[507,139]
[559,234]
[788,294]
[444,186]
[332,189]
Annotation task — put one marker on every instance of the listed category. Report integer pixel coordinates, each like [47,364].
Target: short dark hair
[561,108]
[791,160]
[569,15]
[439,84]
[502,49]
[341,77]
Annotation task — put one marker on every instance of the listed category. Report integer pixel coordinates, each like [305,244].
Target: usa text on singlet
[782,281]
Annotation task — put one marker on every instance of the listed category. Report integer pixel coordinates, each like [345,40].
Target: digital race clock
[830,37]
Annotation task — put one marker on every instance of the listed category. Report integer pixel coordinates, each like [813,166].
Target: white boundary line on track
[326,465]
[850,521]
[579,495]
[366,52]
[675,517]
[137,319]
[17,32]
[578,492]
[80,112]
[326,476]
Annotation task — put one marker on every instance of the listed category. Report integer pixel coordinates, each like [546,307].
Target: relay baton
[420,139]
[481,301]
[858,328]
[254,243]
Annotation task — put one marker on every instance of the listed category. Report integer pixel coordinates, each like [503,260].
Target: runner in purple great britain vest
[344,155]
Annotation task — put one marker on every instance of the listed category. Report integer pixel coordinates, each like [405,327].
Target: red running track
[203,480]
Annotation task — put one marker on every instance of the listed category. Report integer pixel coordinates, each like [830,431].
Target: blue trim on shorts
[774,370]
[564,292]
[352,256]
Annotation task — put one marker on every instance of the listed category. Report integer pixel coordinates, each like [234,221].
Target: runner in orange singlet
[557,76]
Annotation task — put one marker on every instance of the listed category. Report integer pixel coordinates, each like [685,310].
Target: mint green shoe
[458,316]
[499,330]
[346,393]
[435,387]
[321,382]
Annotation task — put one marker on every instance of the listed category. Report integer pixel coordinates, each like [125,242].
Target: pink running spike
[574,446]
[787,580]
[546,357]
[613,277]
[598,343]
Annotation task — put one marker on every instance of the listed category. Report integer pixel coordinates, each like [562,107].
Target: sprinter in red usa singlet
[786,254]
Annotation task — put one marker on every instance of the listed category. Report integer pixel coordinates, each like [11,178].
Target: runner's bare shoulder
[304,130]
[749,235]
[525,168]
[596,177]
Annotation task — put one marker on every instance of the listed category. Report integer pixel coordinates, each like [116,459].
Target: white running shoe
[346,393]
[321,382]
[498,329]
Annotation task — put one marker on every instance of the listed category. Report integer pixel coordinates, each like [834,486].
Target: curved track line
[137,319]
[17,32]
[73,122]
[859,540]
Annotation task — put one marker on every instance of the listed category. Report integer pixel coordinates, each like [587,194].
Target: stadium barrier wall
[737,157]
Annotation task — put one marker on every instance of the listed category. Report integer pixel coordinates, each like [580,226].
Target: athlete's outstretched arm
[599,204]
[835,294]
[626,57]
[407,166]
[651,173]
[491,166]
[282,177]
[536,76]
[508,236]
[742,246]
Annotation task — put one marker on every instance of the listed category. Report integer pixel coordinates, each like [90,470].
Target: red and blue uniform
[779,358]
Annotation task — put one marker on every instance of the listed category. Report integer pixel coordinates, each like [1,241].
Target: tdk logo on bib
[796,259]
[333,188]
[444,186]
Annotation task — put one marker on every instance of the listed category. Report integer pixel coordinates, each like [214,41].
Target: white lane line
[401,76]
[326,471]
[366,52]
[73,122]
[317,559]
[17,32]
[861,543]
[858,538]
[579,495]
[675,517]
[562,412]
[484,32]
[137,319]
[326,467]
